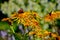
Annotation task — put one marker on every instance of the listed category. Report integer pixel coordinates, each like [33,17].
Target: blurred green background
[41,6]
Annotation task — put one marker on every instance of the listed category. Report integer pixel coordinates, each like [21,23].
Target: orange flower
[53,16]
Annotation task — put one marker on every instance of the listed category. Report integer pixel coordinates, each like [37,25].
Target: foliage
[41,6]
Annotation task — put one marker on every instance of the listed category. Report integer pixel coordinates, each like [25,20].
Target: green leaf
[58,23]
[14,25]
[4,25]
[26,37]
[1,38]
[18,36]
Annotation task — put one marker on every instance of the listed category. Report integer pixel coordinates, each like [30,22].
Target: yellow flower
[39,34]
[58,14]
[27,19]
[19,21]
[46,33]
[52,16]
[26,24]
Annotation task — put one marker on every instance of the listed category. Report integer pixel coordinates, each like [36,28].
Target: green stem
[11,27]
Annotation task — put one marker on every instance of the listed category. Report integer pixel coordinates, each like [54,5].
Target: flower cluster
[31,19]
[52,16]
[26,18]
